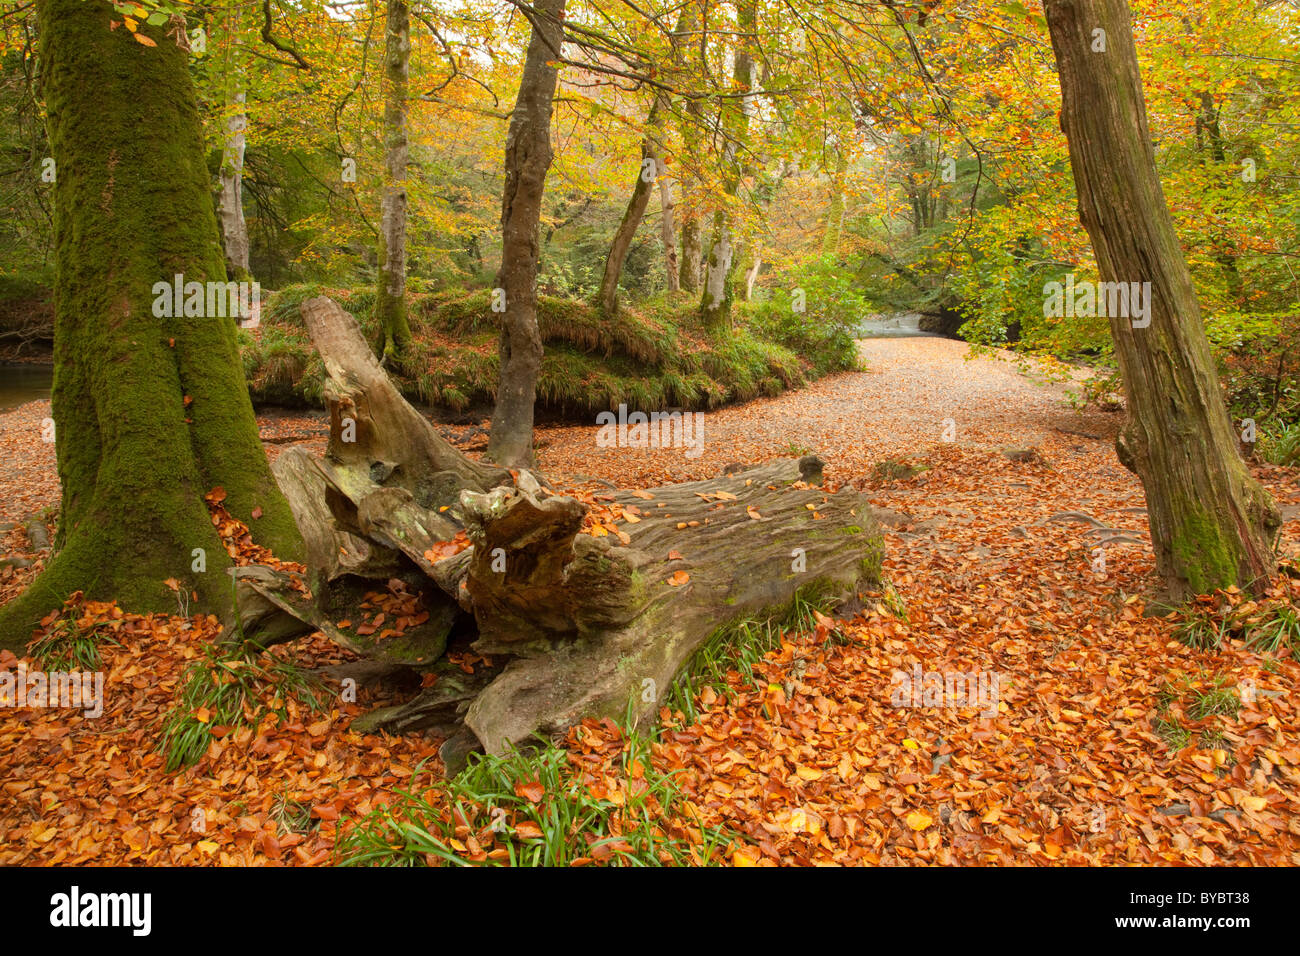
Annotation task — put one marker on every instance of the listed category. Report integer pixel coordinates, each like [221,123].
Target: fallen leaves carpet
[814,764]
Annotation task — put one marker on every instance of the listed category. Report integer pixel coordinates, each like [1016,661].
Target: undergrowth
[655,356]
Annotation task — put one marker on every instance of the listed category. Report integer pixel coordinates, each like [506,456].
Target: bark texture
[1212,525]
[528,159]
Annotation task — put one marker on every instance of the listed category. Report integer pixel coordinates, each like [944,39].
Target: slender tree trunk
[642,188]
[151,412]
[1211,524]
[528,158]
[1208,120]
[692,259]
[691,267]
[751,274]
[715,303]
[390,300]
[234,229]
[668,228]
[667,220]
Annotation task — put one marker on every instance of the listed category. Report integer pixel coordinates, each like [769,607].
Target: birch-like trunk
[230,209]
[390,299]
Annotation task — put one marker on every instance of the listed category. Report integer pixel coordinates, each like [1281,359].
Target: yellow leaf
[1254,803]
[141,38]
[918,820]
[911,744]
[744,858]
[808,773]
[207,847]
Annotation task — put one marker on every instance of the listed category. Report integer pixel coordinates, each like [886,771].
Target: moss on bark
[151,411]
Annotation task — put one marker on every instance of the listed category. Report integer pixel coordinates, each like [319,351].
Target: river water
[24,383]
[896,325]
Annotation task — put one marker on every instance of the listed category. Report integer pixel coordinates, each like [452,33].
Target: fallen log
[580,609]
[595,625]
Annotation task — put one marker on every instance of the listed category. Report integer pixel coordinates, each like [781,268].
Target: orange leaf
[679,578]
[918,820]
[532,791]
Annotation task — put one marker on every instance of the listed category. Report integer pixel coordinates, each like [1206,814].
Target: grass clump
[70,640]
[740,646]
[231,687]
[538,808]
[1183,702]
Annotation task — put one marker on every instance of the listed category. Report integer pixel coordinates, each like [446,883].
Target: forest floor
[1071,764]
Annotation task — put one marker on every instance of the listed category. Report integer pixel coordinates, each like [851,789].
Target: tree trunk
[151,412]
[390,299]
[751,274]
[1211,523]
[581,614]
[528,158]
[715,303]
[234,229]
[667,221]
[835,215]
[692,264]
[691,126]
[647,170]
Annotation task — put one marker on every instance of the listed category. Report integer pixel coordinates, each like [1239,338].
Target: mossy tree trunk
[151,412]
[390,299]
[1211,524]
[528,159]
[835,215]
